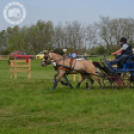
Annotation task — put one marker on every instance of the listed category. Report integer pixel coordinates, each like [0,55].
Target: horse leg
[55,77]
[83,78]
[68,83]
[60,75]
[64,83]
[87,86]
[97,79]
[89,79]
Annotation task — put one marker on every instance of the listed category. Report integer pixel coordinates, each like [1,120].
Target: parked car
[40,55]
[21,55]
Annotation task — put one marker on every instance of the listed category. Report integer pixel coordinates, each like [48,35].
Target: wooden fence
[4,57]
[17,66]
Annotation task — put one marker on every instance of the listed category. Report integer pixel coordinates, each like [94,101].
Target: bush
[4,52]
[100,50]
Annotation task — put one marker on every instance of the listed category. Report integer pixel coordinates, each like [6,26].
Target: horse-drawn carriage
[116,78]
[111,76]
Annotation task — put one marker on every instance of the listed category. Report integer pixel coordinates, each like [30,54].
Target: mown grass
[29,107]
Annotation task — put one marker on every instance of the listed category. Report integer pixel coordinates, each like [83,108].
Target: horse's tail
[104,69]
[97,65]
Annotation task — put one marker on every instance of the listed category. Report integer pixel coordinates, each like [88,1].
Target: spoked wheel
[126,80]
[114,81]
[107,83]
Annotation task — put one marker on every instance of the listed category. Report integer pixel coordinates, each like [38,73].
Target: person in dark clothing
[122,53]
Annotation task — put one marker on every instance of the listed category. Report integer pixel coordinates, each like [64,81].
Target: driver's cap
[123,39]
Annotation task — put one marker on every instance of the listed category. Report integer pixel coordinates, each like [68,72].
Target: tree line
[96,38]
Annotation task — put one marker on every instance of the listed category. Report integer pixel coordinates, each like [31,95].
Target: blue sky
[85,11]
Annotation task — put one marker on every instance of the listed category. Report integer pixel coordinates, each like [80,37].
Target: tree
[92,36]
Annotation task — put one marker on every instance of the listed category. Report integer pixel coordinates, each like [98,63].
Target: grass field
[29,107]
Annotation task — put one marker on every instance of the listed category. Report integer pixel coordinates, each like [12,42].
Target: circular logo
[14,13]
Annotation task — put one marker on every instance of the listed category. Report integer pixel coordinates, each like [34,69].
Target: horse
[66,65]
[67,83]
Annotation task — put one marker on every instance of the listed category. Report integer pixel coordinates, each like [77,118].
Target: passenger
[69,55]
[74,55]
[122,53]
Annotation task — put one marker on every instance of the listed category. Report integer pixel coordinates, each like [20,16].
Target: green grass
[29,107]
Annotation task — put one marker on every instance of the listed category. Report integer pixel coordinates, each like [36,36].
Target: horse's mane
[56,53]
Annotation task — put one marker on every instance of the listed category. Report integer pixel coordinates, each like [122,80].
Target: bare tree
[92,36]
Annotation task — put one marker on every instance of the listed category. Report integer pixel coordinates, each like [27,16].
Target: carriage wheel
[126,80]
[114,81]
[107,83]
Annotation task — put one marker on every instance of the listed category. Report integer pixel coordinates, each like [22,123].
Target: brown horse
[66,65]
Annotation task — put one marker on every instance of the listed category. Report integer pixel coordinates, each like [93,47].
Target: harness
[71,67]
[63,67]
[57,66]
[71,62]
[68,69]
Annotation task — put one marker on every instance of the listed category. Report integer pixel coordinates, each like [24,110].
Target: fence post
[80,77]
[11,70]
[29,68]
[15,69]
[74,79]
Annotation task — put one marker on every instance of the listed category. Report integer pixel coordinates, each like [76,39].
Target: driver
[122,53]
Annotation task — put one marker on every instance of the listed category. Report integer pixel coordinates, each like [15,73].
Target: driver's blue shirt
[73,55]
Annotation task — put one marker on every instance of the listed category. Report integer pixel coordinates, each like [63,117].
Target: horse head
[46,60]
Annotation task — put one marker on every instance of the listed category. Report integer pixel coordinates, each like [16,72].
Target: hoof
[70,86]
[102,88]
[53,88]
[88,88]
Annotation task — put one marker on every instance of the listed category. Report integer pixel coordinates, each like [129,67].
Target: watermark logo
[14,13]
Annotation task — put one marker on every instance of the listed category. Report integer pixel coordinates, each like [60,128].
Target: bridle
[45,58]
